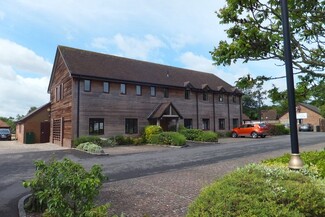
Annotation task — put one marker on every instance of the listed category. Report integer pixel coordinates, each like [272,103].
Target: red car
[253,130]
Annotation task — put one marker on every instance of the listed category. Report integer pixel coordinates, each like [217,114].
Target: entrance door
[45,132]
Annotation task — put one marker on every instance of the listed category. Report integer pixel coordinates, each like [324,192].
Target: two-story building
[105,95]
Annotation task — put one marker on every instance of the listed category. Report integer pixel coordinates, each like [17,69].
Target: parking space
[14,146]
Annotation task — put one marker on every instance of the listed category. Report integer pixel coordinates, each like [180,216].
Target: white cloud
[21,58]
[20,92]
[201,63]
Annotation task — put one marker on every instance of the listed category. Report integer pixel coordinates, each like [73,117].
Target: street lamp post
[295,161]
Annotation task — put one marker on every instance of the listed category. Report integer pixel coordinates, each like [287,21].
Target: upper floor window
[59,92]
[152,91]
[87,85]
[106,87]
[220,97]
[234,99]
[187,94]
[123,88]
[166,92]
[138,90]
[205,96]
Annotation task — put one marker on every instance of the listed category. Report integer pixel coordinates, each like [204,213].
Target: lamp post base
[295,162]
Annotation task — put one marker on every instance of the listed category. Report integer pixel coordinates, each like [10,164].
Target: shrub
[90,147]
[122,140]
[168,138]
[313,160]
[65,189]
[150,130]
[191,134]
[200,135]
[257,190]
[278,129]
[207,136]
[109,142]
[83,139]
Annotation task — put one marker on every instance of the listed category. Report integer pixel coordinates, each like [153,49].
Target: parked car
[5,134]
[306,127]
[253,130]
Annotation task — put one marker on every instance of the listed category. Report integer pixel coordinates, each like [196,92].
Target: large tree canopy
[255,33]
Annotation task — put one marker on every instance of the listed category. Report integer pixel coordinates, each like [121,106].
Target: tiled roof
[3,124]
[159,111]
[269,114]
[46,106]
[87,64]
[310,107]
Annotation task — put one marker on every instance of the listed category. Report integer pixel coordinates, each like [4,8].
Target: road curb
[21,203]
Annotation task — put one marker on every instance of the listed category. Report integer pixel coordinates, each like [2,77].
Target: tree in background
[11,122]
[253,97]
[31,109]
[255,34]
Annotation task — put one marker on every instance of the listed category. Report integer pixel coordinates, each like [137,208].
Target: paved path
[169,194]
[157,194]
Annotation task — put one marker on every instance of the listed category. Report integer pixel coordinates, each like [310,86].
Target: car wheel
[234,135]
[254,135]
[263,136]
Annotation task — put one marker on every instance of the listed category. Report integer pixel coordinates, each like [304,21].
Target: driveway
[7,147]
[157,181]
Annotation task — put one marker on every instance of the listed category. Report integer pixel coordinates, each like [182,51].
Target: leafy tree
[308,90]
[255,33]
[253,95]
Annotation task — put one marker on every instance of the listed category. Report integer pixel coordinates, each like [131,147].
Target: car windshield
[3,131]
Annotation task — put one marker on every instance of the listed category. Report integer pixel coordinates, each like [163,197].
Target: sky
[178,33]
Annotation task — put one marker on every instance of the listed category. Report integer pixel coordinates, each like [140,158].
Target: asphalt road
[14,168]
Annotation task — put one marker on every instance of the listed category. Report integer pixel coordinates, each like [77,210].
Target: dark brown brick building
[100,94]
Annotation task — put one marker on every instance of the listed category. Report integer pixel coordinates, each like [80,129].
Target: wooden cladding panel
[114,107]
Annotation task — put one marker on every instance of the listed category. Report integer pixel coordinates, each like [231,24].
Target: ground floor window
[96,126]
[131,125]
[188,123]
[235,122]
[222,124]
[206,124]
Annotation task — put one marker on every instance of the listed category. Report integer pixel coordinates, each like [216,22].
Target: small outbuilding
[35,127]
[306,114]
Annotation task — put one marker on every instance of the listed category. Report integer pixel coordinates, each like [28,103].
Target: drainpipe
[228,112]
[240,112]
[78,108]
[197,110]
[214,113]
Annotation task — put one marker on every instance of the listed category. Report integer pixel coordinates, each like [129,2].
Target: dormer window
[205,96]
[220,97]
